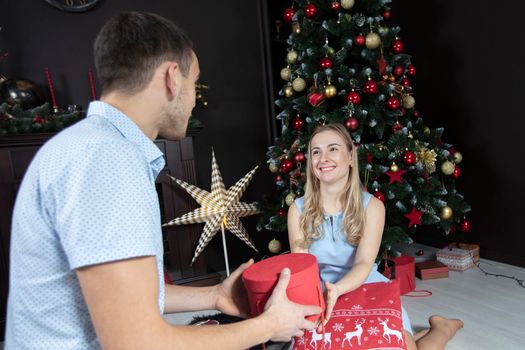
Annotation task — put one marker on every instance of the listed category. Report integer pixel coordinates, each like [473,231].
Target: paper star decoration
[414,217]
[395,176]
[218,208]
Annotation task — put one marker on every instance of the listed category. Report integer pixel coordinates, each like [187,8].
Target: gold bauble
[288,90]
[372,40]
[274,246]
[426,130]
[347,4]
[273,167]
[290,197]
[394,167]
[291,57]
[296,28]
[299,84]
[330,91]
[458,157]
[446,213]
[447,168]
[286,74]
[330,51]
[409,102]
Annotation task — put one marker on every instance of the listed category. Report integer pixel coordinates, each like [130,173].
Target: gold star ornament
[220,208]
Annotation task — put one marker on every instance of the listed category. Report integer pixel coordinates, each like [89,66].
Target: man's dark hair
[131,46]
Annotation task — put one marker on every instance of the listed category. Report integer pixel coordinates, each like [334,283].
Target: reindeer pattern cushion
[366,318]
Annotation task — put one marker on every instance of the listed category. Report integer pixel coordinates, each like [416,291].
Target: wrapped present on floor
[428,270]
[456,259]
[473,248]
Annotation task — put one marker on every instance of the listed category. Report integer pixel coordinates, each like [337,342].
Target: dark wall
[469,59]
[468,55]
[227,41]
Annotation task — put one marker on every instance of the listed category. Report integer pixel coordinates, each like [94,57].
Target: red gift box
[368,317]
[304,286]
[428,270]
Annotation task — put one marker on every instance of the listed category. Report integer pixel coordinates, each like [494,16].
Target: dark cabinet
[16,152]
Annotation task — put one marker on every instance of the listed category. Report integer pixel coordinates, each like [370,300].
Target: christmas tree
[346,64]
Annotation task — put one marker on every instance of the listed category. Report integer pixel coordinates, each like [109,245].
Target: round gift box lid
[262,276]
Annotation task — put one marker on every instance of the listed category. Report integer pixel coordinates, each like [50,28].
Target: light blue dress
[336,256]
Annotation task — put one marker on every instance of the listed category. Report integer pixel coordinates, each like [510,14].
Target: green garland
[14,120]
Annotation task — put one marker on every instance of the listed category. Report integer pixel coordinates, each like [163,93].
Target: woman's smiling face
[330,158]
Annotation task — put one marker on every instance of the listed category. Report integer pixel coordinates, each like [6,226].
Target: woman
[342,226]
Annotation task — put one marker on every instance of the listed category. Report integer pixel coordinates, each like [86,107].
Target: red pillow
[366,318]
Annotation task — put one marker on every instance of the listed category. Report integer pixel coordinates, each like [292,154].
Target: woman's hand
[331,294]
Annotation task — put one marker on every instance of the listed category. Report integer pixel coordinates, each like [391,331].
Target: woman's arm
[367,249]
[365,256]
[295,235]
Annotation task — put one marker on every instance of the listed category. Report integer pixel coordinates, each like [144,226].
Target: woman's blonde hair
[312,216]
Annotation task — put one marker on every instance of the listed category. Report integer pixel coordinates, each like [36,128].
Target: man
[86,248]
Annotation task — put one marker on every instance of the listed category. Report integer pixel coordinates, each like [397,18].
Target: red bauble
[396,127]
[397,46]
[38,120]
[360,40]
[278,178]
[325,63]
[416,114]
[316,98]
[299,157]
[354,97]
[336,6]
[310,10]
[352,124]
[288,14]
[380,196]
[464,226]
[405,82]
[457,172]
[282,212]
[297,124]
[409,157]
[369,158]
[393,103]
[286,166]
[370,87]
[411,70]
[398,70]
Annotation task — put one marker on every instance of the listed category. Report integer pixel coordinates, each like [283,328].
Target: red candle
[92,85]
[51,89]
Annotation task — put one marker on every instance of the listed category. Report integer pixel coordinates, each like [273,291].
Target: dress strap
[299,203]
[366,199]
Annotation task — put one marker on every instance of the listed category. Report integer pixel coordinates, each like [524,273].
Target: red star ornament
[414,217]
[395,176]
[381,64]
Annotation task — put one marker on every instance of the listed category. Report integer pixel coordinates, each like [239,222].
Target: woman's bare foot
[447,325]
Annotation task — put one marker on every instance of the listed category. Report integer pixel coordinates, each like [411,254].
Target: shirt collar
[130,131]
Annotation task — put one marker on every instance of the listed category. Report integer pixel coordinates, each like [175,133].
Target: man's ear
[172,78]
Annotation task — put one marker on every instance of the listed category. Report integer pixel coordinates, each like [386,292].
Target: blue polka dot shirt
[88,197]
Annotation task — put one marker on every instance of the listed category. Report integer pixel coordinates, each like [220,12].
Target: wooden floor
[492,308]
